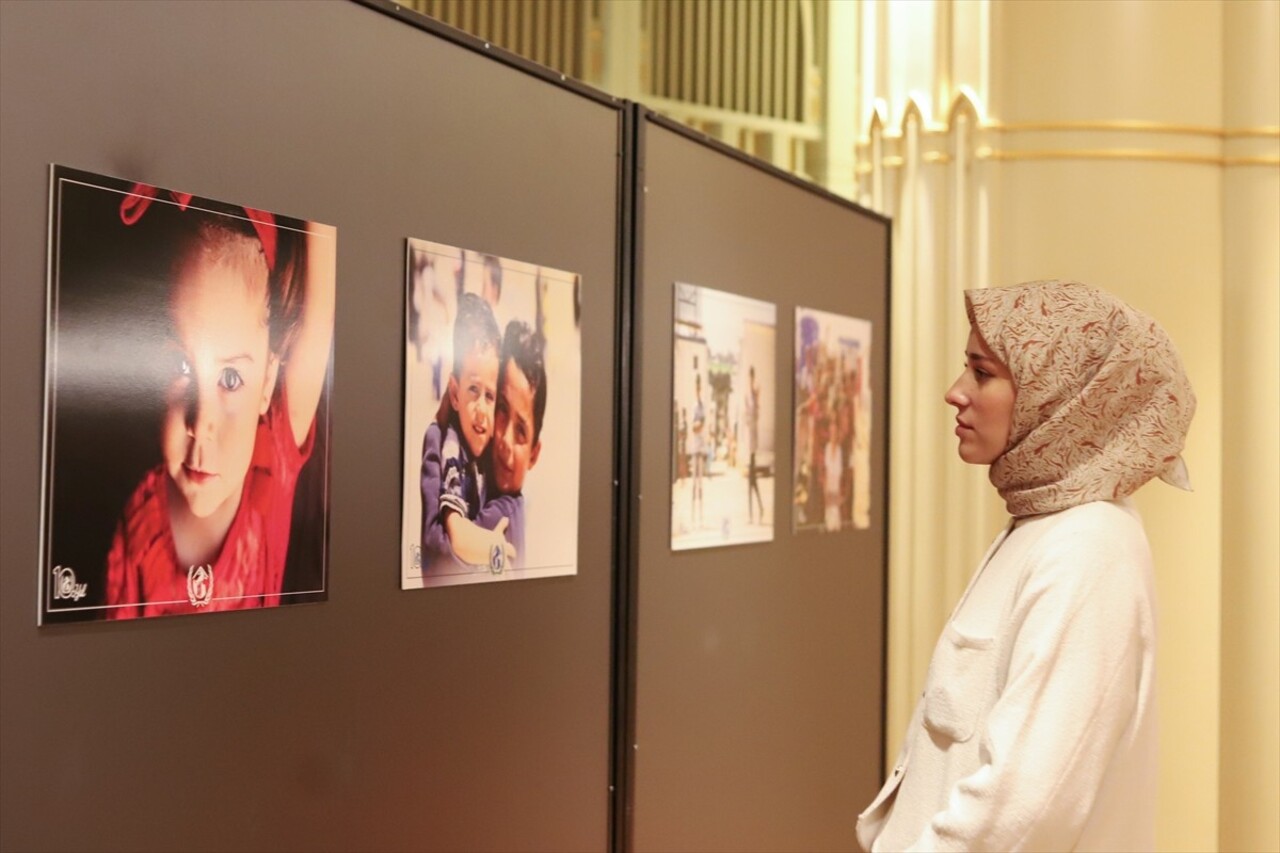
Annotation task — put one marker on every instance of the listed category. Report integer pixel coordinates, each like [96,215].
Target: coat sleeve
[1080,628]
[435,541]
[498,508]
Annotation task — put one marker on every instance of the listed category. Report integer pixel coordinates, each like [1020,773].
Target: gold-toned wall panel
[550,32]
[743,71]
[747,56]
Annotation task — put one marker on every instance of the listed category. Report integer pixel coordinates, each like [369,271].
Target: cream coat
[1037,726]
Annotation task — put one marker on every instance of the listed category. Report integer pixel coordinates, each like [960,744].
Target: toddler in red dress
[250,309]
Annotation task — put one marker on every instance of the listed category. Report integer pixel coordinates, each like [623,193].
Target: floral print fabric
[1102,401]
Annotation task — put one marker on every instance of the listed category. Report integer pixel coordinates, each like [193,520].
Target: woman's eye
[230,379]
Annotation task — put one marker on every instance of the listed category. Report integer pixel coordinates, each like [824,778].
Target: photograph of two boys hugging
[485,438]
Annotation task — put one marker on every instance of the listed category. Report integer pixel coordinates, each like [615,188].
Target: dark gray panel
[462,718]
[759,667]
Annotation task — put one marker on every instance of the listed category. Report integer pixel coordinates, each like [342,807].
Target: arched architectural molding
[929,173]
[874,197]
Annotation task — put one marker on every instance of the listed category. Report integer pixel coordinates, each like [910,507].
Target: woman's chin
[974,455]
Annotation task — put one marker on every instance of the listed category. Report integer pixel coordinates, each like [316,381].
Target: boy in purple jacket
[494,536]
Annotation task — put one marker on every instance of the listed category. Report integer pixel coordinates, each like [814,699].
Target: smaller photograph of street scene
[722,419]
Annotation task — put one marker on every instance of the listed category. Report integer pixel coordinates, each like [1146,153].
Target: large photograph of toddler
[492,419]
[187,404]
[832,489]
[722,418]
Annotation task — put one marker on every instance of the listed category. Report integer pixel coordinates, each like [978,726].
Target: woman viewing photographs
[1037,727]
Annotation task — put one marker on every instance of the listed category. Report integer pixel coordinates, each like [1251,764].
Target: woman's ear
[269,384]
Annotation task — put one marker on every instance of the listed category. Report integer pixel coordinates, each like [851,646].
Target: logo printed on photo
[65,586]
[200,585]
[497,560]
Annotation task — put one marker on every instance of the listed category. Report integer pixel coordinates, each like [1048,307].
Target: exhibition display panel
[758,694]
[330,305]
[468,717]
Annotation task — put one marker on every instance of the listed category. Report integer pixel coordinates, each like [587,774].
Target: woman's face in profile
[983,396]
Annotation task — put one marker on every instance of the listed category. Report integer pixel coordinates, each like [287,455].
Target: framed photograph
[722,418]
[832,422]
[493,391]
[188,365]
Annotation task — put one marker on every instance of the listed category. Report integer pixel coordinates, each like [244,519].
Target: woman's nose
[955,396]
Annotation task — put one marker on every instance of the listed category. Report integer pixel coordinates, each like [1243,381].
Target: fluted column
[833,164]
[1107,131]
[923,171]
[1250,740]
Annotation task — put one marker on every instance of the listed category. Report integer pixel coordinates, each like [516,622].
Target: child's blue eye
[230,379]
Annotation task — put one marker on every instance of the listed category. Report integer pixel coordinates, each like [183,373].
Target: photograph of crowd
[187,373]
[832,422]
[492,419]
[722,419]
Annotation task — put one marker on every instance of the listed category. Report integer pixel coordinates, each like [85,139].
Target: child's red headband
[137,200]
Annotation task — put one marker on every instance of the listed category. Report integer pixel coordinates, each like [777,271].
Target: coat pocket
[959,684]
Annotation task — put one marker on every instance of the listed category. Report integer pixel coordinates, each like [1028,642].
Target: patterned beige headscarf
[1102,403]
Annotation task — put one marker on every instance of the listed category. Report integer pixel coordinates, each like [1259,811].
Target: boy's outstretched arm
[473,544]
[307,360]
